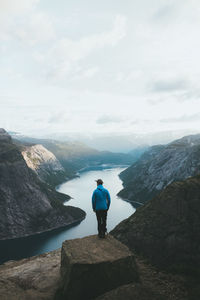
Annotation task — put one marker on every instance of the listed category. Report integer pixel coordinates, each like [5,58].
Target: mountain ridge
[159,166]
[27,205]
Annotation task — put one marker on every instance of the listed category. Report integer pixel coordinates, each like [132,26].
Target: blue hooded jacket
[100,199]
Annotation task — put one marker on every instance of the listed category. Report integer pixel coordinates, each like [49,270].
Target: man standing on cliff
[100,205]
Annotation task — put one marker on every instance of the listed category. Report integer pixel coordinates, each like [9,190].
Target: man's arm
[94,201]
[108,199]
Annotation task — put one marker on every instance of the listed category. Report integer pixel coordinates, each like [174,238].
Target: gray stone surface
[38,278]
[35,278]
[91,266]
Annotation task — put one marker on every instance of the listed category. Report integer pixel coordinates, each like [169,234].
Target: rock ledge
[91,266]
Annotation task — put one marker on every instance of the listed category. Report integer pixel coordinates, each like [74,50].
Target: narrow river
[80,189]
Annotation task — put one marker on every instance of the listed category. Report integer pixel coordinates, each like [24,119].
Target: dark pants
[101,219]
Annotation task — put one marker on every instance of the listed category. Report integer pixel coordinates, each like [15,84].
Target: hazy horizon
[109,142]
[89,68]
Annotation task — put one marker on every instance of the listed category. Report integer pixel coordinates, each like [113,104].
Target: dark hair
[99,181]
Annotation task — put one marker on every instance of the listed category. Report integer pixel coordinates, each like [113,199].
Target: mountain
[159,166]
[75,156]
[116,141]
[44,164]
[166,229]
[27,205]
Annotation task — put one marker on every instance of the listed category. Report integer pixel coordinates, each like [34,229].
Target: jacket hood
[100,187]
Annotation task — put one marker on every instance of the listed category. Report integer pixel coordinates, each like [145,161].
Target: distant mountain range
[74,156]
[116,141]
[27,204]
[159,166]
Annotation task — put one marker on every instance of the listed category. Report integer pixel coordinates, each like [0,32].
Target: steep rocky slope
[166,229]
[28,205]
[44,164]
[160,166]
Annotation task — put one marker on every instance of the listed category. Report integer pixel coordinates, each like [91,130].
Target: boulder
[91,266]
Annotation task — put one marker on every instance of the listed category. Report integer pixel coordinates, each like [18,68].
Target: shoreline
[138,204]
[74,223]
[100,167]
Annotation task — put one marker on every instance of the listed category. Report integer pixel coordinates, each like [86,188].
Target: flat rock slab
[35,278]
[91,266]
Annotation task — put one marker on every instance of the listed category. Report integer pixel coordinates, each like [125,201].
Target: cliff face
[44,164]
[160,166]
[166,229]
[27,205]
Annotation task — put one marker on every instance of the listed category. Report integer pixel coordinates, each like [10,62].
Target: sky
[99,67]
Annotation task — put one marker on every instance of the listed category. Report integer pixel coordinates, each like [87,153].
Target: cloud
[171,85]
[58,117]
[39,28]
[85,73]
[183,118]
[67,52]
[20,20]
[109,119]
[165,12]
[16,7]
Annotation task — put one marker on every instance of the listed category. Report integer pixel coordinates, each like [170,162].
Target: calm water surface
[81,190]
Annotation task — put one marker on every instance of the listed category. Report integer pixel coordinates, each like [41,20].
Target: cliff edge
[88,268]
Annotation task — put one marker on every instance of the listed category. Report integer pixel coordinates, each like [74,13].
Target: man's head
[99,181]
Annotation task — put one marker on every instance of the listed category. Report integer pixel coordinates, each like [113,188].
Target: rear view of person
[100,204]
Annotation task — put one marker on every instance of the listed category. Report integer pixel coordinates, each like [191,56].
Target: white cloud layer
[16,7]
[117,67]
[67,52]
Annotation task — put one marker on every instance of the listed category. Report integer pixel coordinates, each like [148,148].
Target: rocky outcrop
[35,278]
[27,205]
[166,229]
[160,166]
[44,164]
[91,266]
[38,278]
